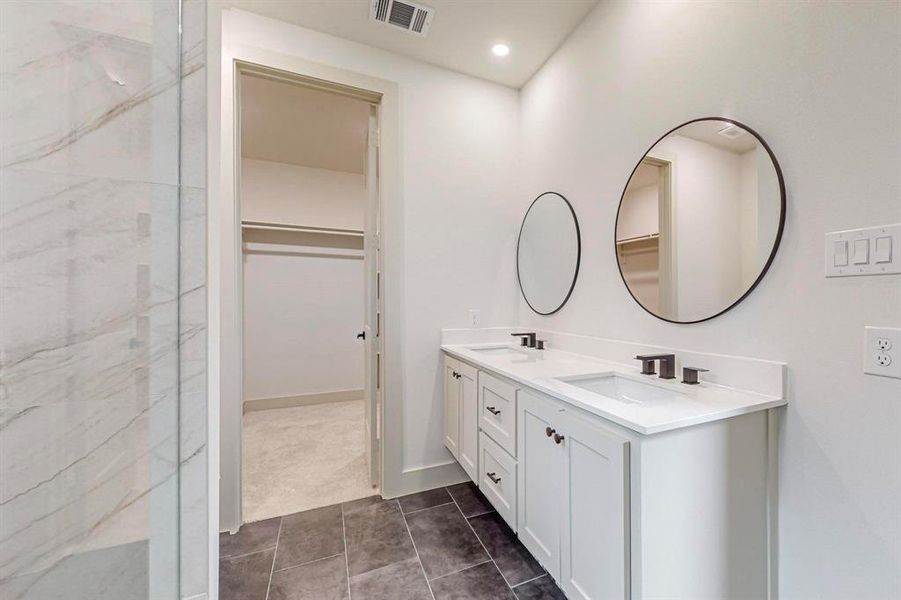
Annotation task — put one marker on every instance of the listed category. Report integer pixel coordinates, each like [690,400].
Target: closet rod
[302,228]
[638,238]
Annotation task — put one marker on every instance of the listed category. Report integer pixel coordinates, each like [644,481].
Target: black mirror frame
[772,256]
[578,253]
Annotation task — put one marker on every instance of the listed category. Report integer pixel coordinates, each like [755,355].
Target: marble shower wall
[102,300]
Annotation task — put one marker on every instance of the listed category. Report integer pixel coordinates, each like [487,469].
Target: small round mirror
[548,252]
[700,220]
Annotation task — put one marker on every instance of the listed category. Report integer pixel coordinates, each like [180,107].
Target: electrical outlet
[475,317]
[880,351]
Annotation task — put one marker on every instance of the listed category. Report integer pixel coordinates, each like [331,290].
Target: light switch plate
[869,251]
[882,351]
[475,317]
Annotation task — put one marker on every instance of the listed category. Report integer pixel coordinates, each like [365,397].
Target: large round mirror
[547,254]
[699,220]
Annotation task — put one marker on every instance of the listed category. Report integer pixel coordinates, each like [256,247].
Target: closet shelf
[638,238]
[300,228]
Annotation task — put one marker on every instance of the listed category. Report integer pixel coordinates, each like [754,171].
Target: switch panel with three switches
[870,251]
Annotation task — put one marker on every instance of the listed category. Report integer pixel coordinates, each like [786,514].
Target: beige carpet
[303,457]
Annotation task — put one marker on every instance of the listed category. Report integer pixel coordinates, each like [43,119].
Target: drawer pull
[558,438]
[549,432]
[492,477]
[492,410]
[456,375]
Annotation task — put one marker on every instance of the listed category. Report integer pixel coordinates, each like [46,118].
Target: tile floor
[446,543]
[289,467]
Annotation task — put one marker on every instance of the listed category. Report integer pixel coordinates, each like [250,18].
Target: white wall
[823,90]
[706,202]
[640,214]
[748,215]
[453,244]
[303,294]
[283,193]
[303,307]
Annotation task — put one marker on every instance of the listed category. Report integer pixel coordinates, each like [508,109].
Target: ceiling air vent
[409,16]
[731,131]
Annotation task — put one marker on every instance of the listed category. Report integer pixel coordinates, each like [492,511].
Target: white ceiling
[298,125]
[461,35]
[707,131]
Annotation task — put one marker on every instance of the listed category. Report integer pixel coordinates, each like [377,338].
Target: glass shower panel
[90,108]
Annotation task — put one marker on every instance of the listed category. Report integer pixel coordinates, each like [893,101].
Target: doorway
[309,302]
[645,233]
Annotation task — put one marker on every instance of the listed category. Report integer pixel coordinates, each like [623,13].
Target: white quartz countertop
[686,405]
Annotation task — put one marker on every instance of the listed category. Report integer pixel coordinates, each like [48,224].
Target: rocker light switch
[840,254]
[861,251]
[883,252]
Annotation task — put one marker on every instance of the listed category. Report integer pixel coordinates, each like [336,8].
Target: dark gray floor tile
[470,499]
[426,499]
[444,540]
[354,505]
[252,537]
[510,556]
[324,579]
[310,535]
[400,581]
[542,588]
[376,537]
[476,583]
[245,577]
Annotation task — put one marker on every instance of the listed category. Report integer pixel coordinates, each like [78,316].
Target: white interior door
[372,326]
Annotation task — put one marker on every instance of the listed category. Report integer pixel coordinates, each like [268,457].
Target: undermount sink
[622,389]
[495,350]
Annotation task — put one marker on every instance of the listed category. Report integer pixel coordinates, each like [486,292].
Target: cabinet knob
[549,432]
[493,478]
[558,438]
[492,410]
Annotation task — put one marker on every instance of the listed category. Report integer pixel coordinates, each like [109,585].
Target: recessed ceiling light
[500,49]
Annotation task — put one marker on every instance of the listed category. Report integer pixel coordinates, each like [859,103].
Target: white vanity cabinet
[609,511]
[574,499]
[461,414]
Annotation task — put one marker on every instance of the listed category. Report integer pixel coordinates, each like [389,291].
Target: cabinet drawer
[497,411]
[497,478]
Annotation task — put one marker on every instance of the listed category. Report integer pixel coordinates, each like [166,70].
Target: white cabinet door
[540,469]
[452,406]
[595,488]
[469,420]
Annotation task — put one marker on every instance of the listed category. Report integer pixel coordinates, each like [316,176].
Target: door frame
[230,398]
[666,227]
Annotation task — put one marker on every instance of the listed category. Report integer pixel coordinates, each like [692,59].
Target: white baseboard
[419,479]
[302,400]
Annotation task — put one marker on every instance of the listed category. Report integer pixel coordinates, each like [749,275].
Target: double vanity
[622,485]
[628,470]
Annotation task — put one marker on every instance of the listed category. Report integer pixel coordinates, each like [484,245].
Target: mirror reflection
[547,254]
[699,220]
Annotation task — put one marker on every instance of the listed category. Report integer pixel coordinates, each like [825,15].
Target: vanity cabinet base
[612,513]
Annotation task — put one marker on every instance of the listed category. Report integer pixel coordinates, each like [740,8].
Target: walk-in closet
[305,183]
